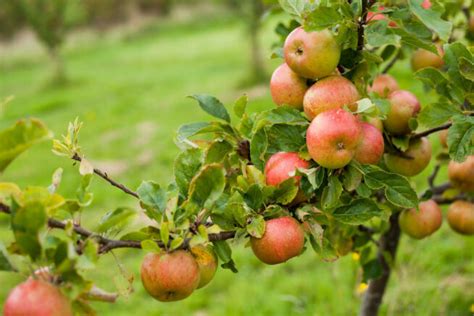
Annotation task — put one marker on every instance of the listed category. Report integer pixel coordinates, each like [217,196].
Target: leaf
[258,148]
[433,115]
[150,246]
[55,180]
[352,178]
[165,233]
[240,106]
[331,193]
[186,166]
[85,167]
[8,190]
[218,151]
[212,106]
[460,138]
[207,185]
[89,257]
[357,212]
[176,243]
[256,227]
[116,219]
[5,264]
[466,67]
[293,7]
[378,34]
[223,250]
[372,270]
[432,19]
[286,191]
[153,196]
[18,138]
[322,17]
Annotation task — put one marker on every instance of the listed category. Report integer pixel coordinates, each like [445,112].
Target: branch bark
[431,131]
[388,245]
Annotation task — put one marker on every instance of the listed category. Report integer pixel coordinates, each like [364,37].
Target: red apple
[207,261]
[403,106]
[283,239]
[170,276]
[423,58]
[461,217]
[287,88]
[461,174]
[383,85]
[426,4]
[311,55]
[330,93]
[419,151]
[374,16]
[374,121]
[36,298]
[371,146]
[282,166]
[421,223]
[332,138]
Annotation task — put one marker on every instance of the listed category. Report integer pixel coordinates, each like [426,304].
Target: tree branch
[431,131]
[391,63]
[433,175]
[104,176]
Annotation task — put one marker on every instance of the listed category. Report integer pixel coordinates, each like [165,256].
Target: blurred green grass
[130,93]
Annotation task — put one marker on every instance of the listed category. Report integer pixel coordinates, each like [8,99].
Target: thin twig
[431,131]
[440,189]
[433,175]
[104,176]
[391,63]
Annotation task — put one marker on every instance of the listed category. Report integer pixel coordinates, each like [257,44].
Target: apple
[332,138]
[443,138]
[471,24]
[36,298]
[383,85]
[207,261]
[283,239]
[287,88]
[421,223]
[332,92]
[461,174]
[423,58]
[461,217]
[419,151]
[426,4]
[371,146]
[311,55]
[403,106]
[375,16]
[372,120]
[170,276]
[282,166]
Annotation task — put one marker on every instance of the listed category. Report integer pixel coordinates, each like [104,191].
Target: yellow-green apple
[36,298]
[282,166]
[372,120]
[421,223]
[415,159]
[403,106]
[170,276]
[311,55]
[461,174]
[383,85]
[287,88]
[371,145]
[423,58]
[207,261]
[332,138]
[283,239]
[443,138]
[332,92]
[461,217]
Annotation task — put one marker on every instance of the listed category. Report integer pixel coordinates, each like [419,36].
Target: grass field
[130,93]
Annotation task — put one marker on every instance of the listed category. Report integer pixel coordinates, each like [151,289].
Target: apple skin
[283,239]
[36,298]
[403,106]
[287,88]
[371,146]
[383,85]
[332,92]
[461,174]
[426,4]
[280,165]
[311,55]
[421,223]
[207,261]
[170,276]
[461,217]
[332,138]
[423,58]
[443,138]
[419,150]
[374,121]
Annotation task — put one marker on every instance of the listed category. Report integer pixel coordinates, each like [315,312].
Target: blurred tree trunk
[388,244]
[59,73]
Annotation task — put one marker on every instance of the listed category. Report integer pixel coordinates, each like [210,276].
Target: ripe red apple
[383,85]
[443,138]
[283,239]
[207,261]
[420,152]
[371,146]
[461,217]
[461,174]
[403,106]
[282,166]
[423,58]
[287,88]
[36,298]
[332,138]
[170,276]
[421,223]
[426,4]
[311,55]
[332,92]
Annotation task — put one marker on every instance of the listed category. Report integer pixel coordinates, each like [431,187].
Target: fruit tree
[313,173]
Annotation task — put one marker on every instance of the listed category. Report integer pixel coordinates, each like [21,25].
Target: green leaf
[293,7]
[258,148]
[357,212]
[352,178]
[331,193]
[454,54]
[176,243]
[18,138]
[240,106]
[286,192]
[378,34]
[223,250]
[432,19]
[322,17]
[186,166]
[256,227]
[153,197]
[466,67]
[165,233]
[433,115]
[460,138]
[218,151]
[89,256]
[207,185]
[150,246]
[212,106]
[117,219]
[372,270]
[5,264]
